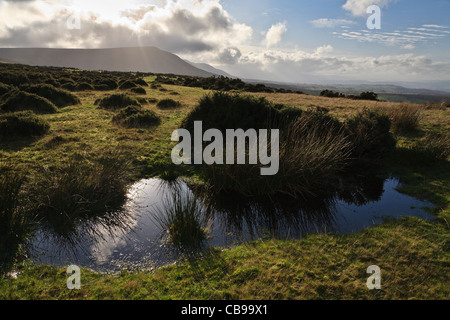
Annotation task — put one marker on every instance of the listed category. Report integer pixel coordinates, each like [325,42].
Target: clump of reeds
[434,146]
[182,218]
[404,117]
[310,158]
[83,187]
[14,219]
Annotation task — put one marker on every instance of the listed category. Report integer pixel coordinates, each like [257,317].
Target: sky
[309,41]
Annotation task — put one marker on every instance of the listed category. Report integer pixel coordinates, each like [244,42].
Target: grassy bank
[413,254]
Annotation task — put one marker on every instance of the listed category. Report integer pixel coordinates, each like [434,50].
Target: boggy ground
[412,254]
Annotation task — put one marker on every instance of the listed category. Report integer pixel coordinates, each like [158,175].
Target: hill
[144,59]
[208,68]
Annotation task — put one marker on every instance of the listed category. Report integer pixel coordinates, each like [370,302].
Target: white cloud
[275,34]
[409,47]
[406,39]
[331,23]
[179,26]
[359,7]
[322,63]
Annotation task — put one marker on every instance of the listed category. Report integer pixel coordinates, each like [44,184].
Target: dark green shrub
[223,111]
[127,85]
[135,117]
[24,123]
[71,86]
[107,83]
[117,101]
[4,88]
[84,86]
[313,147]
[370,134]
[168,104]
[15,78]
[58,97]
[101,87]
[138,90]
[17,100]
[141,82]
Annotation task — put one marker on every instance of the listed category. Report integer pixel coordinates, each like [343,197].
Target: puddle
[131,238]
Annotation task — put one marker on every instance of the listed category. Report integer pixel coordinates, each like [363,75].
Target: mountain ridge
[132,59]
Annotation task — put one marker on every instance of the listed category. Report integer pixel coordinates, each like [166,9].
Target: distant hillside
[208,68]
[143,59]
[393,93]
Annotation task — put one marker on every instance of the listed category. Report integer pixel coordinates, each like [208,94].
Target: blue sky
[295,41]
[398,15]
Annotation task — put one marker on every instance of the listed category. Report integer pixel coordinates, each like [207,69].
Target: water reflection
[130,236]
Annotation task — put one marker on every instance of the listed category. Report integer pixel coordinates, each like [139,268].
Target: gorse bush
[369,133]
[168,104]
[24,123]
[17,100]
[135,117]
[58,97]
[117,101]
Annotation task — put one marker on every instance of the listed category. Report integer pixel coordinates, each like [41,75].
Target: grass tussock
[14,221]
[369,134]
[310,159]
[24,123]
[434,146]
[83,187]
[168,104]
[84,86]
[117,101]
[17,100]
[135,117]
[404,117]
[182,218]
[59,97]
[128,84]
[138,90]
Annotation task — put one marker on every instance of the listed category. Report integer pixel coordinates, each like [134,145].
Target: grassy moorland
[413,254]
